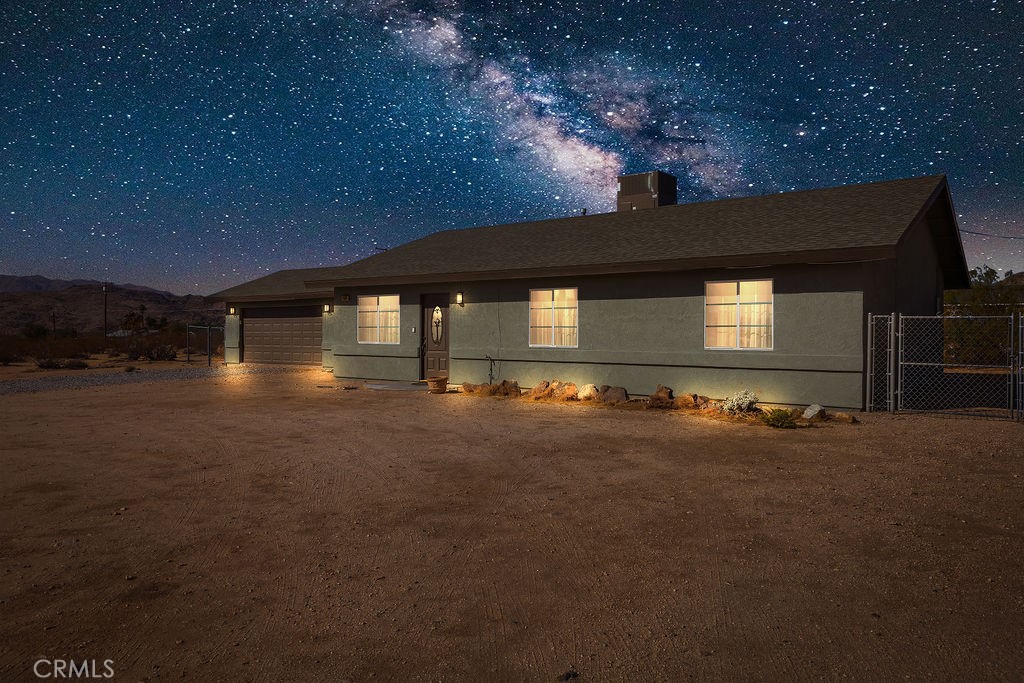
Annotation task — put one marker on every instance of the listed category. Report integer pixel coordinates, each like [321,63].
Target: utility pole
[104,310]
[53,318]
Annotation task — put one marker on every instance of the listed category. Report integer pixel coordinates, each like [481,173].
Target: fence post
[869,395]
[893,374]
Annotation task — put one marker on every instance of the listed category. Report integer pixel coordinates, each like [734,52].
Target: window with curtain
[553,318]
[738,314]
[378,319]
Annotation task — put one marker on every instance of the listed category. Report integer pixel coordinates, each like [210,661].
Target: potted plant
[438,385]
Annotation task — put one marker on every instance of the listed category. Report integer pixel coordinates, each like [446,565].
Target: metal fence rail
[954,363]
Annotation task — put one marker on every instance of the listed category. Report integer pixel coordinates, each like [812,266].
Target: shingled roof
[834,224]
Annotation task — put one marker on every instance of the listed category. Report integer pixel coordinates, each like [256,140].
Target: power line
[988,234]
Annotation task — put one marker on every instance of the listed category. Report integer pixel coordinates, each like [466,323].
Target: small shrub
[48,363]
[129,368]
[76,364]
[740,402]
[780,418]
[162,352]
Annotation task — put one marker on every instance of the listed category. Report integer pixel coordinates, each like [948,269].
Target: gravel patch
[84,381]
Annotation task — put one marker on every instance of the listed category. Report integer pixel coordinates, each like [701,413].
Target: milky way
[192,146]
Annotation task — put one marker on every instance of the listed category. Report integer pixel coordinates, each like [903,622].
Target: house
[766,293]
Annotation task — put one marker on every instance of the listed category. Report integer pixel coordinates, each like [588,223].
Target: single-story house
[765,293]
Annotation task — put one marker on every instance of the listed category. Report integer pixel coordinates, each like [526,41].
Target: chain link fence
[955,363]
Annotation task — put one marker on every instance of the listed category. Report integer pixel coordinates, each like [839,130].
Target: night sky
[191,146]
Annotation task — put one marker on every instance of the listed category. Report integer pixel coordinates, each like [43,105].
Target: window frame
[737,326]
[378,328]
[530,326]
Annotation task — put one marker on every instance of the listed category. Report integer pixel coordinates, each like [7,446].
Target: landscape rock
[843,417]
[684,402]
[566,391]
[814,412]
[588,392]
[614,395]
[552,389]
[539,388]
[700,401]
[661,398]
[470,388]
[508,388]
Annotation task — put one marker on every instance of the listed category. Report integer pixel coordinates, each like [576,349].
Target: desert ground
[279,528]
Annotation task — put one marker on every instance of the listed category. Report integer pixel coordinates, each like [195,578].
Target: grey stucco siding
[350,358]
[635,331]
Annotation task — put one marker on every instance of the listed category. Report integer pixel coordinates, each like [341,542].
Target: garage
[282,335]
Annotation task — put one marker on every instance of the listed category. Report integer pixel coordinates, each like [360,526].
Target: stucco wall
[636,331]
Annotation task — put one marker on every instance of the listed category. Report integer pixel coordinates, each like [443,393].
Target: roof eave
[290,296]
[737,261]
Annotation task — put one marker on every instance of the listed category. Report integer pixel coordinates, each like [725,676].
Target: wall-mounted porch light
[327,308]
[458,298]
[231,310]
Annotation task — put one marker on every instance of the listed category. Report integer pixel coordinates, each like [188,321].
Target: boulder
[470,388]
[507,388]
[588,392]
[684,402]
[552,389]
[614,395]
[700,401]
[843,417]
[539,388]
[566,392]
[814,412]
[661,398]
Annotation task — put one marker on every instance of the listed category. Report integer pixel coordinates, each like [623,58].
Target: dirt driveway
[259,527]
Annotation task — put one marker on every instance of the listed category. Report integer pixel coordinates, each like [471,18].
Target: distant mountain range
[79,305]
[38,283]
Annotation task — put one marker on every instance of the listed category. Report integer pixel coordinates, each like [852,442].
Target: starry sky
[191,146]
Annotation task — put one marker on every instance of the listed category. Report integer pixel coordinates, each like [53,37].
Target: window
[378,319]
[553,318]
[738,314]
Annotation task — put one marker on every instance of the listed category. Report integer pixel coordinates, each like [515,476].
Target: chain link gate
[971,365]
[1020,366]
[881,349]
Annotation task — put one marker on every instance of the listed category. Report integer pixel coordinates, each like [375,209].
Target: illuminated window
[738,314]
[378,319]
[553,318]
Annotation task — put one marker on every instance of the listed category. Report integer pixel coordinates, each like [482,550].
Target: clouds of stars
[192,146]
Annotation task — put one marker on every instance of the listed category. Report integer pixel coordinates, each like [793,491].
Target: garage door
[282,335]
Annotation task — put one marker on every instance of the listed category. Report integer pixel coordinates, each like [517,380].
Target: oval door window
[436,325]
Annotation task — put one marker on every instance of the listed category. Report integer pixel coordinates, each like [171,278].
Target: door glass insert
[436,325]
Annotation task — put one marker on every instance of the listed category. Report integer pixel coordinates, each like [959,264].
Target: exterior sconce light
[231,310]
[345,298]
[327,308]
[458,299]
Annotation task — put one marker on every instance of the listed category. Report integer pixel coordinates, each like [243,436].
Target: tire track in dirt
[233,490]
[109,594]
